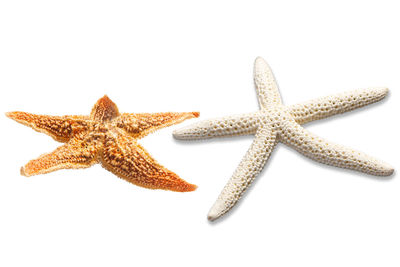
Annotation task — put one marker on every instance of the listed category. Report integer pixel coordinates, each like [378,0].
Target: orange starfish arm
[124,157]
[77,153]
[139,125]
[104,110]
[61,128]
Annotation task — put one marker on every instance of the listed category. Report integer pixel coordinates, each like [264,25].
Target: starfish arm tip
[381,168]
[177,133]
[187,133]
[24,173]
[196,114]
[213,214]
[384,90]
[259,59]
[388,170]
[187,187]
[379,92]
[191,188]
[11,114]
[211,218]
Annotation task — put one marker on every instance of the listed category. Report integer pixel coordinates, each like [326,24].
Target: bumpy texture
[248,169]
[274,123]
[105,137]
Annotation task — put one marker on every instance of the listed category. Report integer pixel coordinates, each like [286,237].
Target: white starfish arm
[267,88]
[242,124]
[250,166]
[329,153]
[324,107]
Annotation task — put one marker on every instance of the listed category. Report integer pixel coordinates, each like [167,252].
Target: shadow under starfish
[106,137]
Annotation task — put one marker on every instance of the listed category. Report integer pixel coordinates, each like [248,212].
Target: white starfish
[274,123]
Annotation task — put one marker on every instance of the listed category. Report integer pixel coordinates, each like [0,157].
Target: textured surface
[105,137]
[275,122]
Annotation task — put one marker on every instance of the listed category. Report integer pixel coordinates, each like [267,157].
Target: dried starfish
[106,137]
[274,123]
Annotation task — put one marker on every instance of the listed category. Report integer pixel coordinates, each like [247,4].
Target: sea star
[106,137]
[275,123]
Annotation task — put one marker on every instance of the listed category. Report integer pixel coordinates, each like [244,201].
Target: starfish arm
[242,124]
[267,88]
[77,153]
[139,125]
[124,157]
[104,110]
[250,166]
[329,153]
[61,128]
[324,107]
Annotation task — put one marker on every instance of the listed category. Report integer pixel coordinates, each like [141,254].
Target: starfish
[275,123]
[106,137]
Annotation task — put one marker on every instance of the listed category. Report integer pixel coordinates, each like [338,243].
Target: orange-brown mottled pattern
[106,137]
[61,128]
[141,124]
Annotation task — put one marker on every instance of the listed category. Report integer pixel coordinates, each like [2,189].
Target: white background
[59,57]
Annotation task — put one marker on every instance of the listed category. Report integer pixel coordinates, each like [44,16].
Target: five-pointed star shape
[274,123]
[106,137]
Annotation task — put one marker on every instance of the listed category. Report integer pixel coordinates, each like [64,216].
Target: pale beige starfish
[106,137]
[275,123]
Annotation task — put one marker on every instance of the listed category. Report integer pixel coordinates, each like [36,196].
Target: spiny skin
[106,137]
[274,123]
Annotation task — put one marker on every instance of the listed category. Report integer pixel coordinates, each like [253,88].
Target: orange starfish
[106,137]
